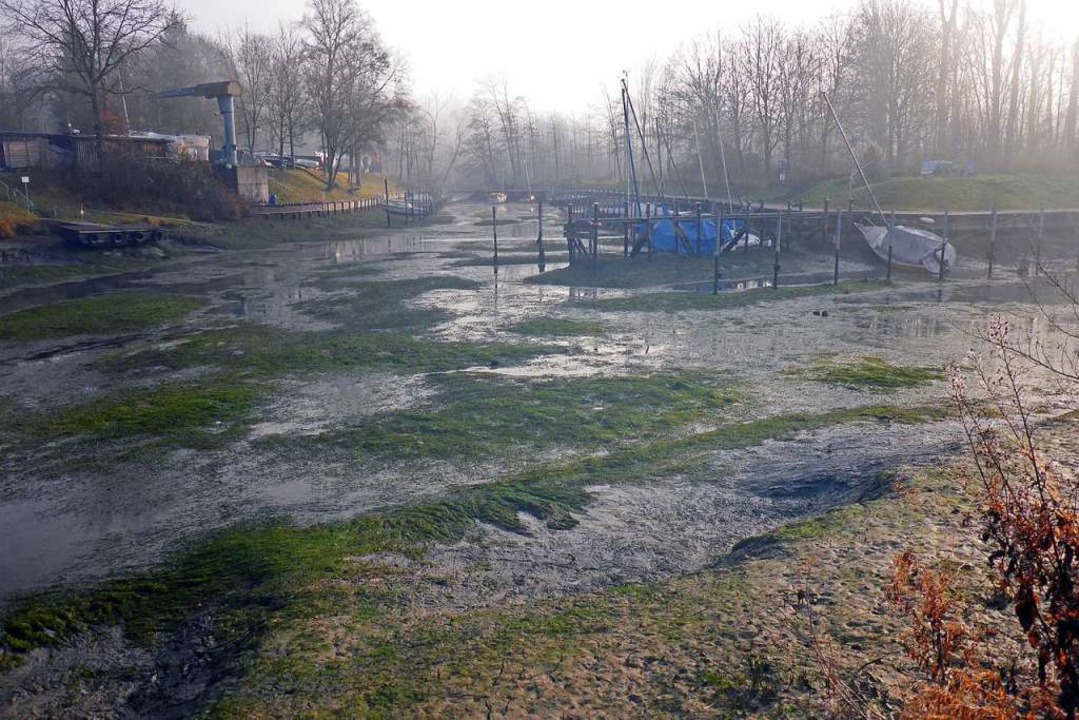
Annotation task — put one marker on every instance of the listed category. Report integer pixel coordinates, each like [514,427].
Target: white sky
[557,53]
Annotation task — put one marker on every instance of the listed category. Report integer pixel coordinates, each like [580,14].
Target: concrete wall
[250,183]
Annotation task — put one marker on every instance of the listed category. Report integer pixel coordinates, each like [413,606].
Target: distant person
[273,200]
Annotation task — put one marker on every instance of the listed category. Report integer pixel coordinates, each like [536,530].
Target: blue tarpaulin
[664,238]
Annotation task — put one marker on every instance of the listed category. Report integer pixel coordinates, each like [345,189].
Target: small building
[60,151]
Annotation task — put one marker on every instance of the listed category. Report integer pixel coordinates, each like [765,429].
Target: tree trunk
[1073,101]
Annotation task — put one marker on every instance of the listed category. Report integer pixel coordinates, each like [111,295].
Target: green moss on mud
[264,352]
[253,573]
[679,301]
[869,372]
[381,305]
[187,415]
[99,315]
[484,416]
[556,327]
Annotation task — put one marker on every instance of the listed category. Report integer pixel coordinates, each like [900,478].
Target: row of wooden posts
[782,219]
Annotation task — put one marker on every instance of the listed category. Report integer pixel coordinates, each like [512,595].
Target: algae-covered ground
[368,476]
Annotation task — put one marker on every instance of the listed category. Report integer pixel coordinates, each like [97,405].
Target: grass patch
[185,415]
[557,327]
[380,305]
[14,219]
[273,577]
[978,192]
[633,272]
[869,372]
[298,185]
[99,315]
[679,301]
[484,416]
[263,352]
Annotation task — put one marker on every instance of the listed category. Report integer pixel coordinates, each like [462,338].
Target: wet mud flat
[389,422]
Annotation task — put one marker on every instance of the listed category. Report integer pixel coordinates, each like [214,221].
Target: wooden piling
[494,230]
[386,189]
[648,228]
[838,242]
[1038,248]
[944,243]
[779,242]
[719,235]
[891,226]
[745,232]
[824,221]
[992,239]
[539,241]
[699,229]
[595,236]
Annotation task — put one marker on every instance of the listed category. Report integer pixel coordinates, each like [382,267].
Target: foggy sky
[557,53]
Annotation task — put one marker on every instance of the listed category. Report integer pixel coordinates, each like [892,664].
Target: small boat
[400,207]
[909,246]
[913,247]
[497,197]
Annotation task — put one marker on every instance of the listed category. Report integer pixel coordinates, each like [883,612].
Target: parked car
[937,167]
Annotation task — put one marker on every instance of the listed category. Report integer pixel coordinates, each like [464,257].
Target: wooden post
[539,241]
[719,238]
[944,243]
[745,232]
[779,241]
[838,241]
[625,229]
[992,239]
[1038,248]
[494,229]
[648,228]
[386,188]
[824,221]
[699,228]
[595,236]
[891,225]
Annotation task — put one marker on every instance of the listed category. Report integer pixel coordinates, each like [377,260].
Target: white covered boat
[910,246]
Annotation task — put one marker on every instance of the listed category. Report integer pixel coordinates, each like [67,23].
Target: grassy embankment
[935,194]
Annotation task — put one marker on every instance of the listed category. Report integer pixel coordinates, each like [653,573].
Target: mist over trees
[95,65]
[972,81]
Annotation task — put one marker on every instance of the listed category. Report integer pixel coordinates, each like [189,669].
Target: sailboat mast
[854,157]
[700,160]
[629,150]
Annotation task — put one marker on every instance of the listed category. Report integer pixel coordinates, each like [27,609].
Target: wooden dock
[92,235]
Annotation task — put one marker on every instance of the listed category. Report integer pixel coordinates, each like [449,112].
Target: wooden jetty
[989,235]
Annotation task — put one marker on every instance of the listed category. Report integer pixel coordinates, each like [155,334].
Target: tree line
[95,65]
[974,83]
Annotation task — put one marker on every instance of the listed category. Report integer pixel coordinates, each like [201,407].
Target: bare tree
[84,43]
[351,78]
[17,89]
[252,58]
[1069,138]
[763,44]
[286,100]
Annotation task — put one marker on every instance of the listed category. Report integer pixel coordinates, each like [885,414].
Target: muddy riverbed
[69,514]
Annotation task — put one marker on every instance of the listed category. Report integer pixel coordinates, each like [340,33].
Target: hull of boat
[912,247]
